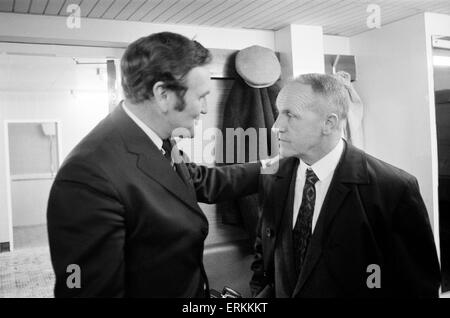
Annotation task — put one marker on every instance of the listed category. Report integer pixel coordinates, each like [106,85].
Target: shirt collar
[147,130]
[327,164]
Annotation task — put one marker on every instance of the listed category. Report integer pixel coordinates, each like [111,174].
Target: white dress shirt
[147,130]
[324,170]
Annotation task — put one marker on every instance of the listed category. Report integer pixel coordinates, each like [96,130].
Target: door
[442,101]
[33,162]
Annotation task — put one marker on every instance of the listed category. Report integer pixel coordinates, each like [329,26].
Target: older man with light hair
[337,222]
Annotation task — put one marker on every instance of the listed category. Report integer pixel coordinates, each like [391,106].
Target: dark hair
[165,57]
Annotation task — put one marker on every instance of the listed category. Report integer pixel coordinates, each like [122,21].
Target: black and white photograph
[225,153]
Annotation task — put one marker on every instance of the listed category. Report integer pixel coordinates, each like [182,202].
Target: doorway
[34,155]
[441,67]
[47,105]
[49,100]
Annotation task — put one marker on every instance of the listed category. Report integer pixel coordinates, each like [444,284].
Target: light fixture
[441,60]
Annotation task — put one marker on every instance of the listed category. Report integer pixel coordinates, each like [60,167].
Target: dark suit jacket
[373,213]
[119,211]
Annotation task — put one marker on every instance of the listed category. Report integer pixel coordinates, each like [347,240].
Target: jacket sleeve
[417,265]
[86,227]
[218,184]
[260,280]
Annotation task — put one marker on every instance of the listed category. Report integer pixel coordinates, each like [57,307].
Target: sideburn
[181,103]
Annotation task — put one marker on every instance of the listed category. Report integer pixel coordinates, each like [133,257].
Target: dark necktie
[301,234]
[167,146]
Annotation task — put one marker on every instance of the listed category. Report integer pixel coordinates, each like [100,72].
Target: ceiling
[338,17]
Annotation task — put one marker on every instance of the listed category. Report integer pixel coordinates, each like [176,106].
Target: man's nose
[278,125]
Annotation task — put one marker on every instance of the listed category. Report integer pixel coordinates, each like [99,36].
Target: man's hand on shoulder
[270,165]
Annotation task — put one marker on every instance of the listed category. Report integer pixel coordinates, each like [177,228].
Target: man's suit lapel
[281,189]
[281,196]
[334,199]
[150,159]
[284,257]
[183,172]
[161,171]
[351,169]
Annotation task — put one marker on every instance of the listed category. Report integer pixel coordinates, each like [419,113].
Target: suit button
[269,232]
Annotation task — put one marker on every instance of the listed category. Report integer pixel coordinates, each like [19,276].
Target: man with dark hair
[123,207]
[337,222]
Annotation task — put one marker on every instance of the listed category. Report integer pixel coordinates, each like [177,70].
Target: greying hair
[333,88]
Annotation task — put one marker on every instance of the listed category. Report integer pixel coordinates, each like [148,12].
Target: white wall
[301,49]
[307,49]
[339,45]
[29,201]
[283,45]
[38,88]
[60,50]
[442,78]
[113,33]
[50,29]
[441,73]
[393,84]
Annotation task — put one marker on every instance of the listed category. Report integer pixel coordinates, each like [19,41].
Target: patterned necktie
[301,234]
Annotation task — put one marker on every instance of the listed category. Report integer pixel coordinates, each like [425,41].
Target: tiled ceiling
[338,17]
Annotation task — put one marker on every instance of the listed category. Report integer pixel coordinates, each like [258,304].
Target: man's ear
[331,123]
[161,95]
